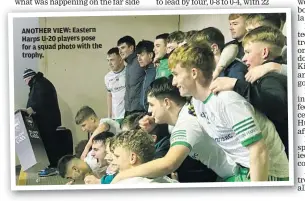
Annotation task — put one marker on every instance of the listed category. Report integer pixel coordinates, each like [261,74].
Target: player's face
[88,125]
[157,109]
[125,50]
[99,152]
[238,28]
[159,48]
[121,158]
[254,54]
[115,62]
[145,58]
[183,80]
[171,46]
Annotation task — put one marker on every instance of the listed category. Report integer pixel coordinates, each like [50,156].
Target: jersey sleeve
[186,133]
[107,83]
[239,116]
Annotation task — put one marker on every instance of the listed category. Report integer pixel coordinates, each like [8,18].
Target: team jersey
[188,132]
[115,84]
[234,124]
[143,180]
[114,126]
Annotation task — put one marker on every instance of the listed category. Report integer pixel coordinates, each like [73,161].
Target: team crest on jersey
[209,119]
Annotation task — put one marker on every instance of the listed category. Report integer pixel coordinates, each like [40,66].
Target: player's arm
[101,128]
[227,56]
[159,167]
[258,161]
[109,104]
[259,71]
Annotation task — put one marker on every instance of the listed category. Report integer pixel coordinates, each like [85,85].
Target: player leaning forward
[247,136]
[187,136]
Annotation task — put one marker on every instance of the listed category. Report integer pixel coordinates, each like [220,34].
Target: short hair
[109,141]
[101,137]
[63,164]
[264,19]
[128,40]
[162,88]
[79,148]
[176,36]
[113,50]
[163,36]
[137,141]
[194,55]
[145,46]
[268,35]
[234,16]
[210,35]
[189,34]
[83,114]
[129,120]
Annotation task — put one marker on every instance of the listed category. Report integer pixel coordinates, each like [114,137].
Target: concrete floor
[33,179]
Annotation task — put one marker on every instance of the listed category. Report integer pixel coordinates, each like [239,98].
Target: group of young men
[190,106]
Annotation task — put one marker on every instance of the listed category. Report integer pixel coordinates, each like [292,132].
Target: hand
[70,182]
[83,156]
[147,123]
[30,111]
[255,73]
[222,84]
[91,179]
[217,71]
[174,175]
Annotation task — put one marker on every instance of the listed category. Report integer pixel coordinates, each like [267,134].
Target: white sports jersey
[115,84]
[188,132]
[143,180]
[114,127]
[234,124]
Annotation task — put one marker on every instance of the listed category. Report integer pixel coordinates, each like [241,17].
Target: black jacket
[269,95]
[43,100]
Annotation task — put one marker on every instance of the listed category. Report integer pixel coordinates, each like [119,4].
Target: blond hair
[270,36]
[194,55]
[234,16]
[137,141]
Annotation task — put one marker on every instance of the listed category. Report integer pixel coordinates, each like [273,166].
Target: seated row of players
[229,136]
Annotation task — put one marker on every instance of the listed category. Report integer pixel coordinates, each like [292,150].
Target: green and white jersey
[115,84]
[188,132]
[234,124]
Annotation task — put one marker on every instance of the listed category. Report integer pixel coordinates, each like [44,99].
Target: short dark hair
[130,119]
[210,35]
[189,34]
[128,40]
[269,19]
[63,163]
[176,36]
[163,36]
[113,50]
[79,148]
[145,46]
[102,136]
[162,88]
[83,114]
